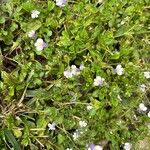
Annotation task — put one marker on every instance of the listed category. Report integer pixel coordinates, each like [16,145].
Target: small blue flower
[115,71]
[52,126]
[91,147]
[40,44]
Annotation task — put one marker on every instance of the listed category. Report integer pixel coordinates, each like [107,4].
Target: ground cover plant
[74,74]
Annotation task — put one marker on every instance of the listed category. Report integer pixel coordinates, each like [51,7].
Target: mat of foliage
[85,85]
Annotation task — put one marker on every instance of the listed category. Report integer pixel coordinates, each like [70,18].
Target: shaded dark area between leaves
[9,65]
[40,59]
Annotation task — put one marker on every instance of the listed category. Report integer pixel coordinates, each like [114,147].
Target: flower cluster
[98,81]
[142,107]
[76,135]
[82,124]
[73,71]
[100,92]
[81,130]
[39,44]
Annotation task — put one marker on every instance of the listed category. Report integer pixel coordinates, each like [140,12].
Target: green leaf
[115,56]
[13,27]
[10,138]
[25,137]
[28,6]
[11,91]
[126,51]
[41,122]
[7,37]
[51,5]
[8,78]
[51,22]
[33,25]
[14,46]
[114,102]
[60,138]
[130,9]
[2,19]
[17,133]
[64,39]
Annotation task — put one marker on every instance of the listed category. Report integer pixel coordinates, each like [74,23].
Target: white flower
[52,126]
[142,107]
[100,1]
[82,124]
[40,44]
[119,70]
[98,81]
[75,135]
[89,107]
[68,73]
[142,87]
[81,67]
[90,28]
[35,14]
[122,22]
[127,146]
[75,70]
[31,34]
[148,114]
[71,71]
[69,149]
[61,3]
[147,74]
[98,147]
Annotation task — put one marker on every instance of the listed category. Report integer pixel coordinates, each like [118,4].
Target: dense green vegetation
[74,73]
